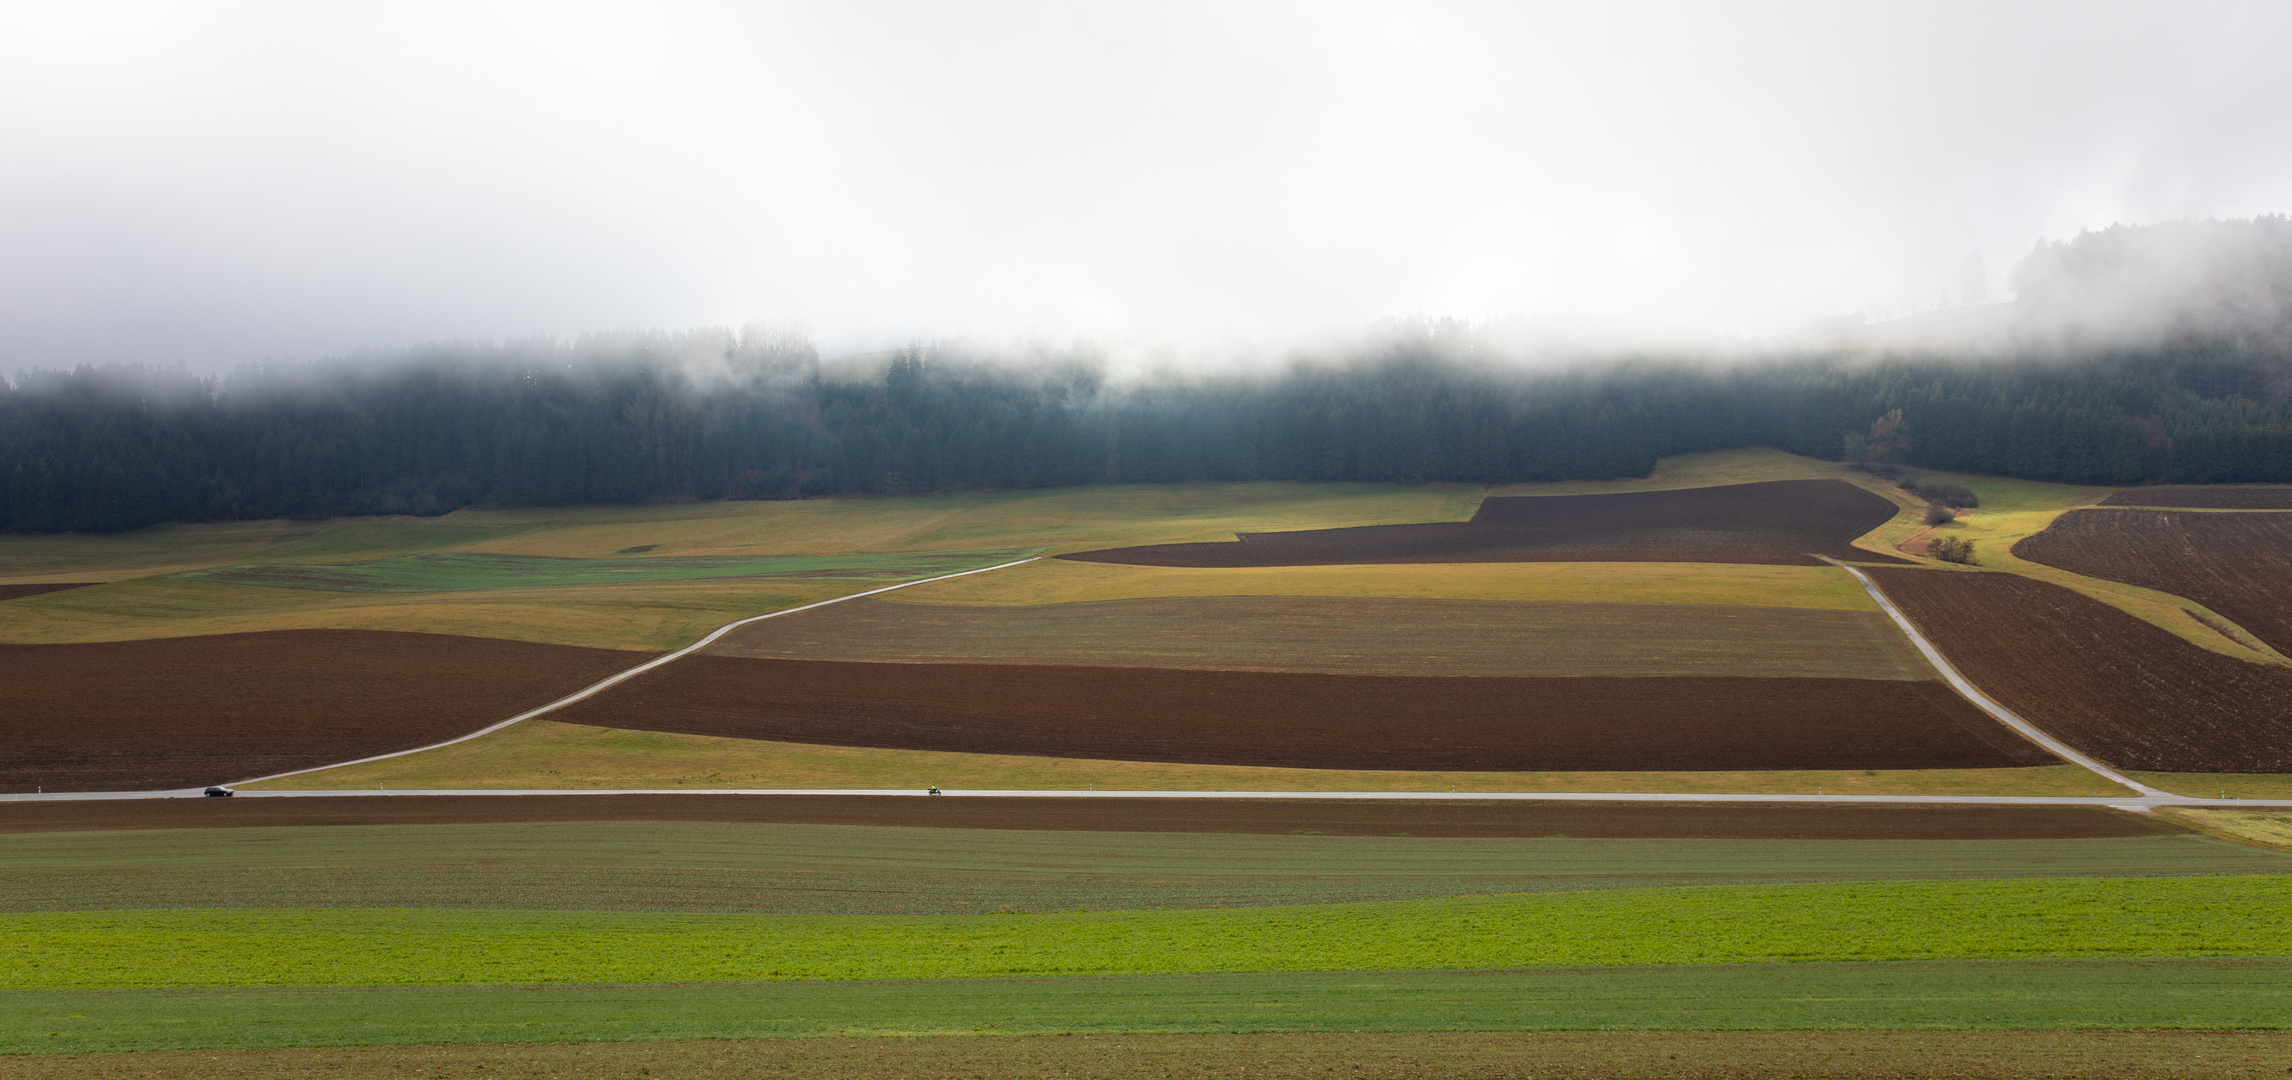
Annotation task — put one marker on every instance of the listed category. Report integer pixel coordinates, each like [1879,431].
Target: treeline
[713,416]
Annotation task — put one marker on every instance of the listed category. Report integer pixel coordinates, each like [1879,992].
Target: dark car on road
[220,792]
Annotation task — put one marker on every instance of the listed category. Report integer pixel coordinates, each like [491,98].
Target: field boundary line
[613,680]
[1970,692]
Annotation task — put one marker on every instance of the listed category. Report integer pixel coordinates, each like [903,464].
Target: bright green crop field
[2015,995]
[888,870]
[2060,918]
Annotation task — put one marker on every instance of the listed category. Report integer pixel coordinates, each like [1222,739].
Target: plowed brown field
[1778,522]
[2227,497]
[1723,821]
[11,592]
[184,712]
[2237,564]
[2098,679]
[1319,721]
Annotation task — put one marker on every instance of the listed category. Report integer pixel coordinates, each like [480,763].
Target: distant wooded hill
[711,415]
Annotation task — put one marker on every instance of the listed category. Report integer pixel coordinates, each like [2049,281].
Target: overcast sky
[213,183]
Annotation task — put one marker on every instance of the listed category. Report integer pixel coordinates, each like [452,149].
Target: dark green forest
[109,449]
[105,449]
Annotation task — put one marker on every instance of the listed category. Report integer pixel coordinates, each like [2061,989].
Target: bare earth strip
[1353,636]
[2239,565]
[1315,721]
[1659,1055]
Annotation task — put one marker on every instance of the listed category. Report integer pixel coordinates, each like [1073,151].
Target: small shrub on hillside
[1955,549]
[1946,494]
[1938,514]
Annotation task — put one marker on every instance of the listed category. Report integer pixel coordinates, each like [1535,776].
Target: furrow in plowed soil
[185,712]
[1320,721]
[12,592]
[2230,497]
[1719,821]
[2239,565]
[2098,679]
[1779,522]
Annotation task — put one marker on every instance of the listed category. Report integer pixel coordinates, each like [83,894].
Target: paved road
[1966,689]
[637,670]
[2121,802]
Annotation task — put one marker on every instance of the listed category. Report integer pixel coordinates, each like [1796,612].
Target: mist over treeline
[2196,389]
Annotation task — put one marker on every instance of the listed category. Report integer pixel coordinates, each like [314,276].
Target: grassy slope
[1999,996]
[2055,918]
[856,869]
[546,754]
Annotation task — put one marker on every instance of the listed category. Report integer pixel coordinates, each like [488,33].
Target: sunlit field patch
[1925,920]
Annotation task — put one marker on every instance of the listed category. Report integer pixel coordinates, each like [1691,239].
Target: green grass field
[2050,918]
[2010,995]
[547,754]
[856,869]
[466,572]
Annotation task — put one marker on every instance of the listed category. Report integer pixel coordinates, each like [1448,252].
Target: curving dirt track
[1723,821]
[2237,564]
[2228,497]
[1296,720]
[1778,522]
[2098,679]
[13,592]
[185,712]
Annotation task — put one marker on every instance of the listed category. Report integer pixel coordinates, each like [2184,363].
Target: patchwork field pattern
[1781,522]
[2239,565]
[2098,679]
[2203,497]
[185,712]
[1339,635]
[889,870]
[1319,721]
[2018,918]
[455,572]
[1333,817]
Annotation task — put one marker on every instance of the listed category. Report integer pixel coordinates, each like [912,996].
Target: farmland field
[1342,635]
[1782,522]
[1964,1018]
[462,572]
[2213,497]
[940,868]
[1060,581]
[2239,565]
[2099,679]
[1303,817]
[2015,918]
[1294,720]
[185,712]
[546,754]
[13,592]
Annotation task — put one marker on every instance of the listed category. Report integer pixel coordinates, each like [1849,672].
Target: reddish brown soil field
[2232,497]
[1319,721]
[12,592]
[1724,821]
[2098,679]
[1780,522]
[185,712]
[2237,564]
